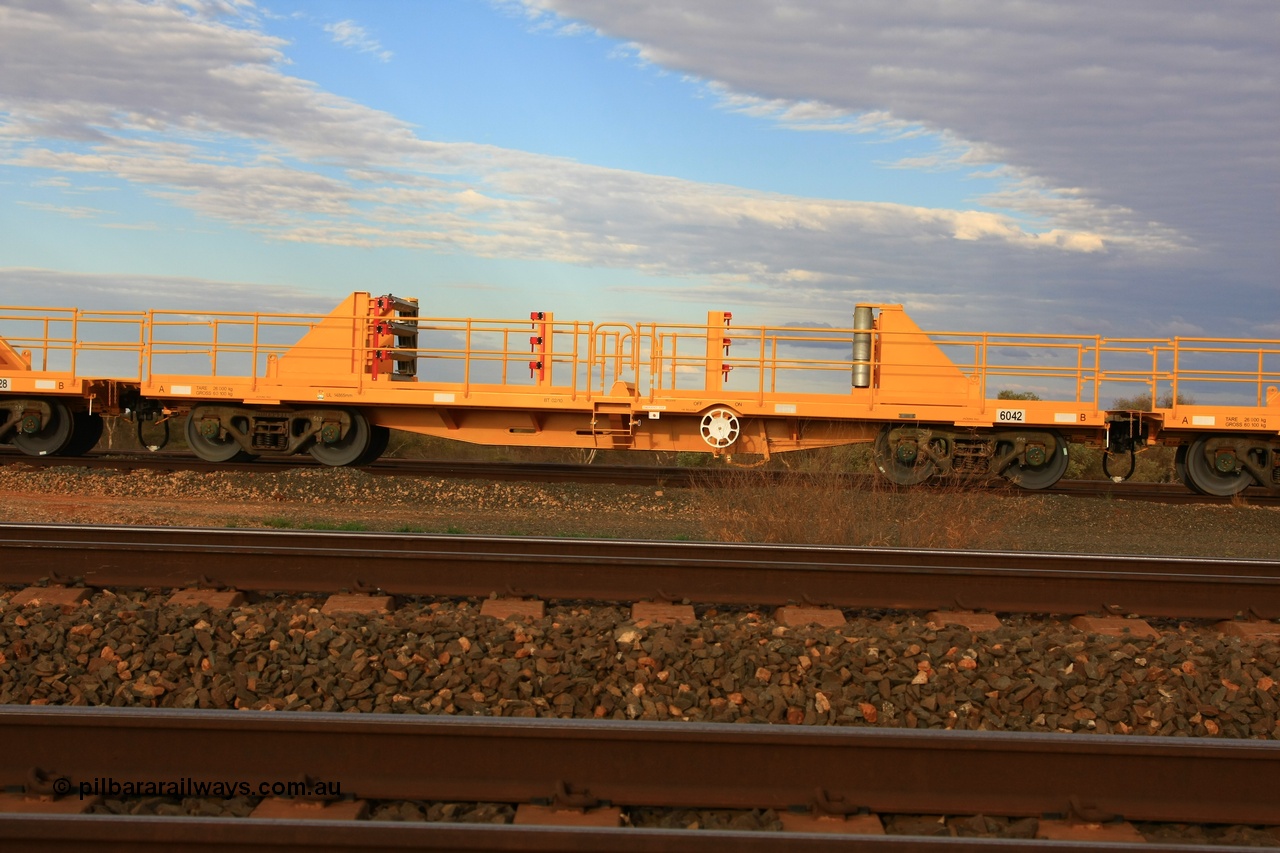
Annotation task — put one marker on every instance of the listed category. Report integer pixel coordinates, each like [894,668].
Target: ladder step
[391,327]
[402,306]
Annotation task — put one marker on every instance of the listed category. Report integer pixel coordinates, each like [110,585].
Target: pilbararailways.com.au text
[109,786]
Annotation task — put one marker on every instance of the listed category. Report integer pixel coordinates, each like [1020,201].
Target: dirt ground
[350,499]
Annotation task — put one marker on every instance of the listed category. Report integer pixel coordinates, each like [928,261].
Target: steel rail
[645,475]
[127,834]
[622,570]
[684,765]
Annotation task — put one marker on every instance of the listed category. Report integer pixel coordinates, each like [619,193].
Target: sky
[1093,167]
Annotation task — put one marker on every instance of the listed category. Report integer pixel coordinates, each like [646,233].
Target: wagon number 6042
[1011,416]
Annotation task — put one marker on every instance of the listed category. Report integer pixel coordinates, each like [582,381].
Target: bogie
[1033,459]
[333,436]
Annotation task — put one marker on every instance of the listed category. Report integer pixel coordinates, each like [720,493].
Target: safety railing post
[1261,364]
[254,354]
[75,339]
[466,361]
[142,348]
[594,353]
[149,347]
[573,356]
[675,358]
[1097,372]
[981,345]
[254,350]
[773,369]
[213,352]
[1079,371]
[506,350]
[633,339]
[773,365]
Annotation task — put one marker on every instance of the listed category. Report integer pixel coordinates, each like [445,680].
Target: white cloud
[1158,116]
[108,291]
[352,35]
[65,210]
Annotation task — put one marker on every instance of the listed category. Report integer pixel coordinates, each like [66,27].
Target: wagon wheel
[1040,470]
[52,437]
[1180,467]
[1206,478]
[903,463]
[209,441]
[379,438]
[349,449]
[87,429]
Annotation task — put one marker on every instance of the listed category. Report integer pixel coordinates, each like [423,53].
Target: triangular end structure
[11,359]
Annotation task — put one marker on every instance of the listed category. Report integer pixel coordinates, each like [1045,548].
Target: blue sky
[993,165]
[472,72]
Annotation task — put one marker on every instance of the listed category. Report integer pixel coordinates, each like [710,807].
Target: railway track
[662,476]
[881,774]
[604,768]
[620,570]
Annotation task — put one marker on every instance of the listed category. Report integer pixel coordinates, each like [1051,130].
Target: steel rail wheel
[87,429]
[1036,473]
[1205,478]
[379,438]
[351,448]
[212,448]
[53,436]
[903,463]
[1180,467]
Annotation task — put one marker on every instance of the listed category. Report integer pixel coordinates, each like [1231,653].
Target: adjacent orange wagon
[255,384]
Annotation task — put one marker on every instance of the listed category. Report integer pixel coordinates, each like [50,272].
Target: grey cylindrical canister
[862,319]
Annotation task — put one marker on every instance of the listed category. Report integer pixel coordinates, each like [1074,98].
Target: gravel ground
[442,657]
[759,820]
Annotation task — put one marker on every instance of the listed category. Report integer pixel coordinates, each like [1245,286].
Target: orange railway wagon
[930,402]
